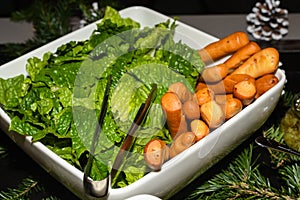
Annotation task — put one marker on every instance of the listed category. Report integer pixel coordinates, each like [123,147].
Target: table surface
[18,165]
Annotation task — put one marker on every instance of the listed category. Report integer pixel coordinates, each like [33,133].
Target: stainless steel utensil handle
[139,118]
[99,189]
[269,143]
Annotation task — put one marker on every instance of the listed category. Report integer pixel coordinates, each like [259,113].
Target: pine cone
[267,21]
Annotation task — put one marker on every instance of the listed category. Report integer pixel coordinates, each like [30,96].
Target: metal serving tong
[269,143]
[100,189]
[97,188]
[139,118]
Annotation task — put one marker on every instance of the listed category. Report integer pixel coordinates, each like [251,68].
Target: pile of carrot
[222,91]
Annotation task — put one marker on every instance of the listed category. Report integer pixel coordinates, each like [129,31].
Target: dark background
[170,7]
[209,6]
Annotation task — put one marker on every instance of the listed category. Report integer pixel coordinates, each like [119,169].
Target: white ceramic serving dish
[175,173]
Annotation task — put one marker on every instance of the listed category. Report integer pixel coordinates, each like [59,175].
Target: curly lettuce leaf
[114,16]
[11,91]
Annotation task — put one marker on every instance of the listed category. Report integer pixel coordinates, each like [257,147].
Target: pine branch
[287,98]
[22,191]
[241,180]
[291,174]
[3,152]
[25,190]
[278,159]
[51,198]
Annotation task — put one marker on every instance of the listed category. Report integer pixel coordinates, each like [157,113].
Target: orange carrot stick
[156,152]
[245,91]
[223,47]
[263,62]
[265,83]
[241,55]
[199,128]
[172,108]
[181,143]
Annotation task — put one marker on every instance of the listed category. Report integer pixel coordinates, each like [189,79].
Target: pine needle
[22,191]
[3,152]
[291,174]
[242,180]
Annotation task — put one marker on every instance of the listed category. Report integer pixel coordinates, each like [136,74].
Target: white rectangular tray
[177,172]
